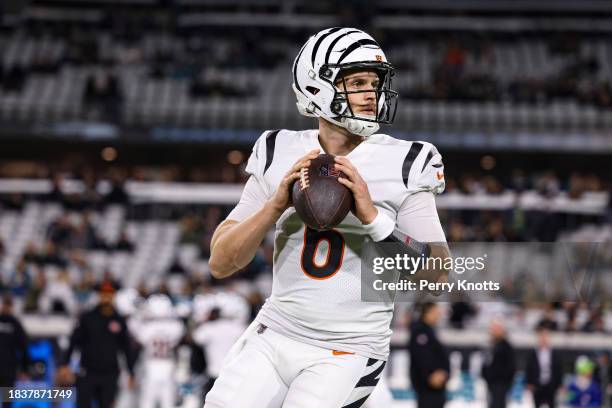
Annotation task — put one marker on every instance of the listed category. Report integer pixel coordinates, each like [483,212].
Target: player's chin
[370,115]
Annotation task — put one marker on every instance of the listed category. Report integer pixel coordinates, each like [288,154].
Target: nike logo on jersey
[340,353]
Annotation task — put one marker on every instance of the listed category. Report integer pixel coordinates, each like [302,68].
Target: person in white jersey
[217,335]
[159,334]
[315,343]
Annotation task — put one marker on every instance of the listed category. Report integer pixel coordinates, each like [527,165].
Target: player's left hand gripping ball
[364,208]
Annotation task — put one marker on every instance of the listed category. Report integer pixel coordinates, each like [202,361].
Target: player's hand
[64,376]
[131,382]
[282,197]
[437,379]
[365,210]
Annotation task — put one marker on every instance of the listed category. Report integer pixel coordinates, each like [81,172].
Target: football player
[159,335]
[315,343]
[224,325]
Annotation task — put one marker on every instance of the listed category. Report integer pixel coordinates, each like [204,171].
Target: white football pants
[158,385]
[266,369]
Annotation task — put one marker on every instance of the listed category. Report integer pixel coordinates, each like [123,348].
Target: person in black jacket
[101,334]
[13,345]
[498,370]
[544,371]
[429,363]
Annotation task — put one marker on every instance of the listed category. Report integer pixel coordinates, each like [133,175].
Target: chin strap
[361,127]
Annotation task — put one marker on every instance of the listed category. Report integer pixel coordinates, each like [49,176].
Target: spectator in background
[544,371]
[83,234]
[571,321]
[13,202]
[84,290]
[60,230]
[13,345]
[90,197]
[100,334]
[429,361]
[595,322]
[460,312]
[52,256]
[583,391]
[606,376]
[499,367]
[548,320]
[103,93]
[192,229]
[124,243]
[34,290]
[58,296]
[117,194]
[31,253]
[56,194]
[21,279]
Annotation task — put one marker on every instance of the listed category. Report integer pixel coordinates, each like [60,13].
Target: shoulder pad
[423,169]
[262,154]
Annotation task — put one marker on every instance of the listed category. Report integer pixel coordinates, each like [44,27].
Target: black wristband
[402,243]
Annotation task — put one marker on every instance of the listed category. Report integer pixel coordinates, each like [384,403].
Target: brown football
[319,199]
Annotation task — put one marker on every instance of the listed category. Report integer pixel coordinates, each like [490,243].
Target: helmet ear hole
[312,90]
[326,73]
[336,106]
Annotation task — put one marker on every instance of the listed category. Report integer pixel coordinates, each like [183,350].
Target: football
[319,199]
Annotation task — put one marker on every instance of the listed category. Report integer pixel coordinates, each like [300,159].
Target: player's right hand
[437,379]
[282,196]
[64,376]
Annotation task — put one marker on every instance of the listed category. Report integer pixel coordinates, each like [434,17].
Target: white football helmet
[321,63]
[127,301]
[233,306]
[159,307]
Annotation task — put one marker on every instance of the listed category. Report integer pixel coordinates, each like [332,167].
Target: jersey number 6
[333,260]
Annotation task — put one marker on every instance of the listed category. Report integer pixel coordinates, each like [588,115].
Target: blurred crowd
[212,168]
[453,80]
[74,232]
[546,183]
[54,273]
[168,52]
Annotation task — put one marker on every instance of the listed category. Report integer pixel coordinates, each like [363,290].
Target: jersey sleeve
[418,218]
[252,200]
[255,192]
[256,165]
[200,335]
[143,334]
[426,169]
[176,331]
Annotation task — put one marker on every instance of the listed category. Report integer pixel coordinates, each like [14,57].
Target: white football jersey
[217,337]
[159,338]
[316,294]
